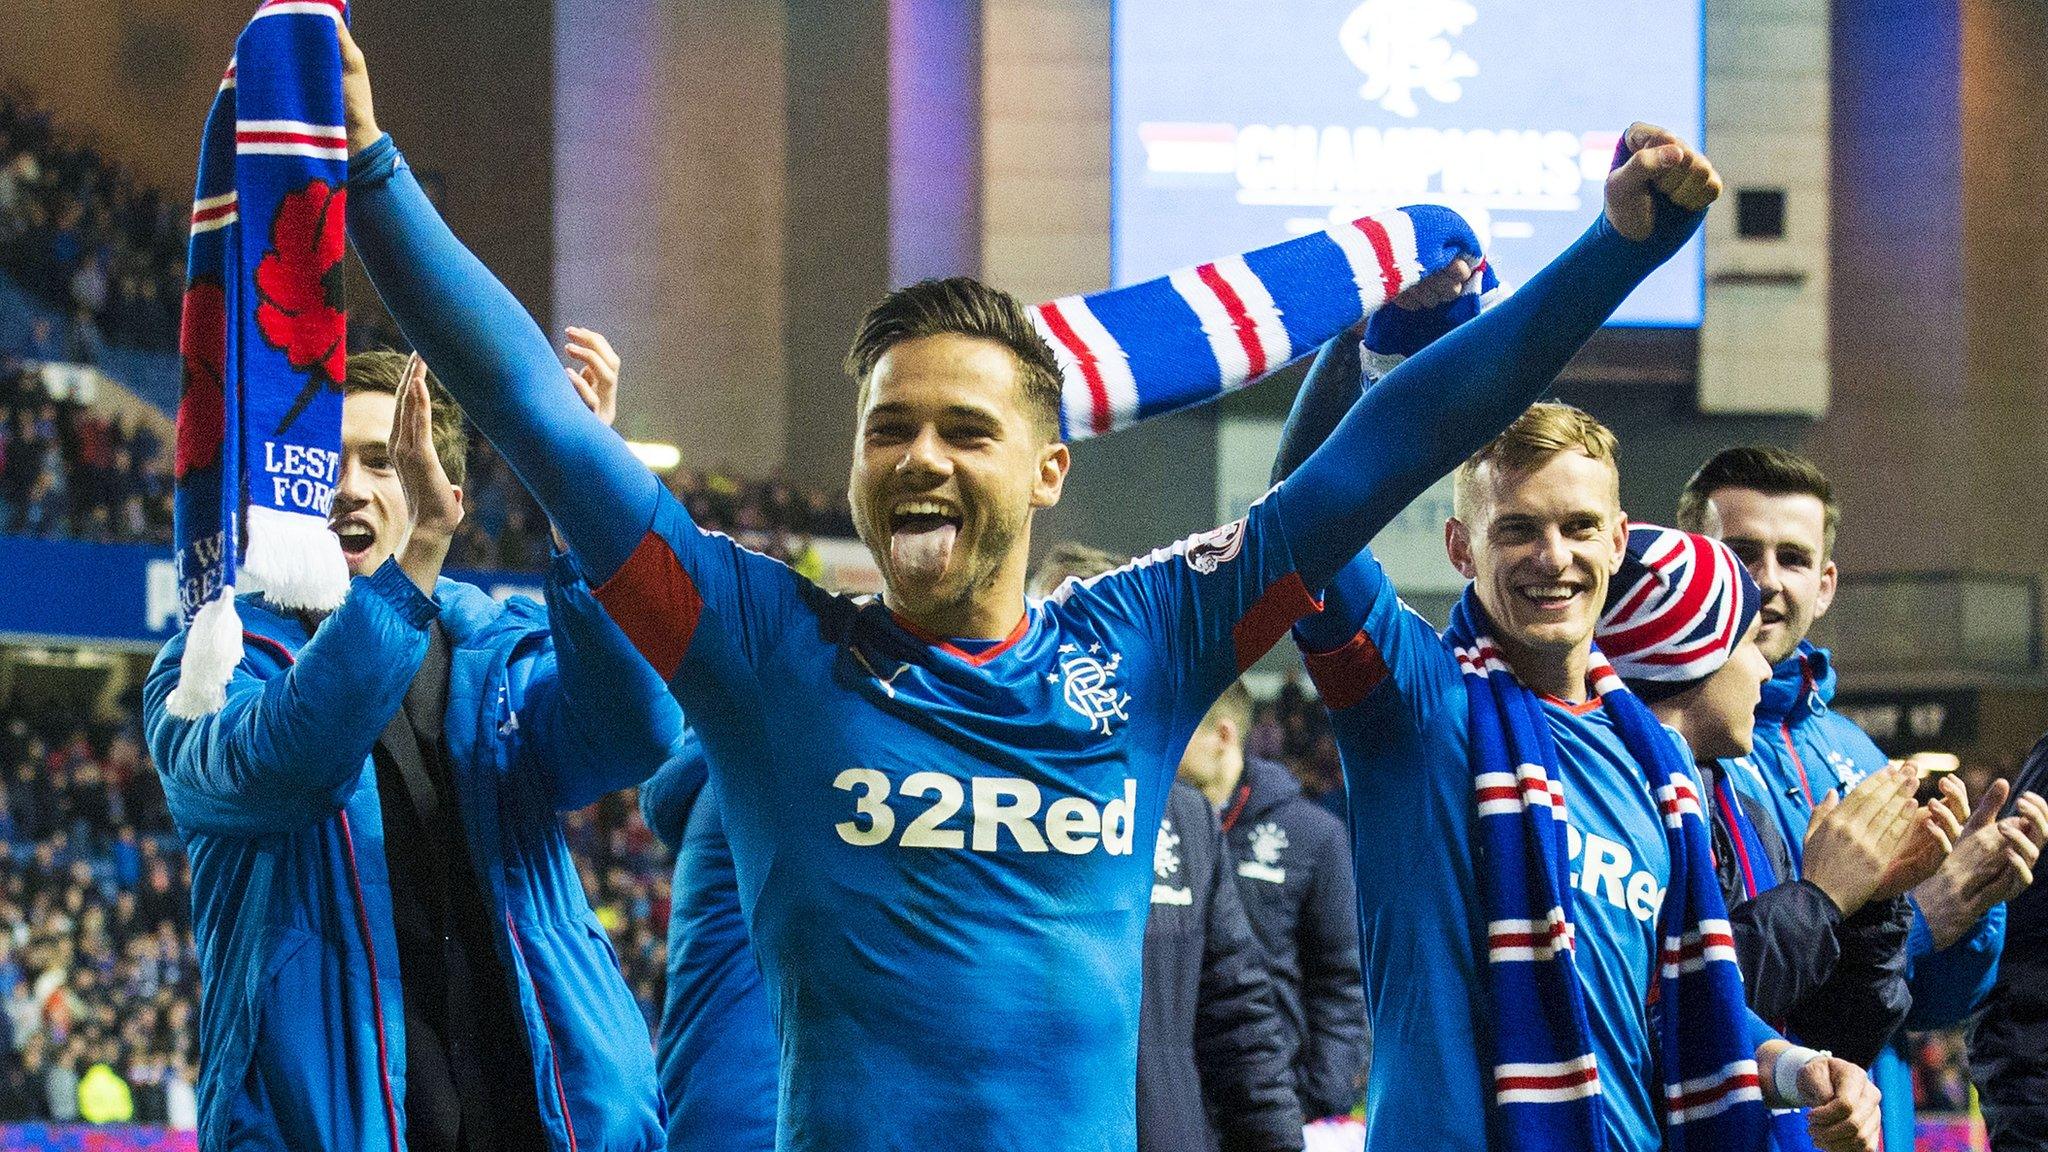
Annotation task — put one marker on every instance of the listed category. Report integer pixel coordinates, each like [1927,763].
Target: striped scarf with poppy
[264,343]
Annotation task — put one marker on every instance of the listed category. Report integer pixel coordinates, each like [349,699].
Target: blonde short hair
[1543,431]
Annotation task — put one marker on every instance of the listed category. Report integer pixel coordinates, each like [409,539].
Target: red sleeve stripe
[655,603]
[1347,675]
[1284,601]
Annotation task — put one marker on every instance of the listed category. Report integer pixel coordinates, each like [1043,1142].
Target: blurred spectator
[1941,1080]
[80,232]
[1293,729]
[68,470]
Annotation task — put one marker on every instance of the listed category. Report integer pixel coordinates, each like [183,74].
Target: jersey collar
[972,659]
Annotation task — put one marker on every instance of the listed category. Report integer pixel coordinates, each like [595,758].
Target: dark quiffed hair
[1761,468]
[964,306]
[383,370]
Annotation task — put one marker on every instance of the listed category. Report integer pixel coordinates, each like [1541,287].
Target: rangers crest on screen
[1404,45]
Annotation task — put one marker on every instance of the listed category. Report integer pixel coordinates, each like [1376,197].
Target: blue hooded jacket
[1804,749]
[275,796]
[717,1048]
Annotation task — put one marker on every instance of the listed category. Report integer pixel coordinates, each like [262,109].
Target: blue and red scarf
[1546,1083]
[1131,353]
[264,343]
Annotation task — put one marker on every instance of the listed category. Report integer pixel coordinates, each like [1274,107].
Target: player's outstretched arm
[487,350]
[1443,404]
[1415,319]
[285,751]
[604,718]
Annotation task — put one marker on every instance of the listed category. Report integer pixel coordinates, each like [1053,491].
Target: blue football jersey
[1399,712]
[945,855]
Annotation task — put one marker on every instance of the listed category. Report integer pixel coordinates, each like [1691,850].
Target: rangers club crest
[1404,46]
[1268,841]
[1089,685]
[1166,869]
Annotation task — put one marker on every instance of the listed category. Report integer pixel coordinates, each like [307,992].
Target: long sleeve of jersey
[603,720]
[1444,403]
[498,363]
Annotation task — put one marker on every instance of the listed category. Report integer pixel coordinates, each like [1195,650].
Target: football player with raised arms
[942,802]
[1548,958]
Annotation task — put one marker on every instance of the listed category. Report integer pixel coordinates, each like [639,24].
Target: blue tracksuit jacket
[1803,750]
[275,795]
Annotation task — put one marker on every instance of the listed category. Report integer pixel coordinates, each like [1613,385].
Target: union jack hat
[1676,611]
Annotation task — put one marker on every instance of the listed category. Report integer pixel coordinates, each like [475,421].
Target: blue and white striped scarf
[1131,353]
[264,343]
[1545,1080]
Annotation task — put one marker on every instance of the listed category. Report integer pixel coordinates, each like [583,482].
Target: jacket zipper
[1785,730]
[355,881]
[554,1062]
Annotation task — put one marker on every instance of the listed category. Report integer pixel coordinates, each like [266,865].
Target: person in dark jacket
[395,947]
[1827,962]
[1214,1058]
[1777,510]
[1294,875]
[2009,1043]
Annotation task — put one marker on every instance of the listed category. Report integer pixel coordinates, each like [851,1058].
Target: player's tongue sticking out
[920,547]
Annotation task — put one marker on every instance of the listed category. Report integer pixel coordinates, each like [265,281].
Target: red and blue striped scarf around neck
[1546,1084]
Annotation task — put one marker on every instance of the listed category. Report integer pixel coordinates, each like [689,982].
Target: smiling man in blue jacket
[1777,511]
[395,946]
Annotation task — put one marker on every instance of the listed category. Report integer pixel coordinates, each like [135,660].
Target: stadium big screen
[1239,123]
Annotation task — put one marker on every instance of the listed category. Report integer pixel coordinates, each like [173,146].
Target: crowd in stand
[67,469]
[84,235]
[97,970]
